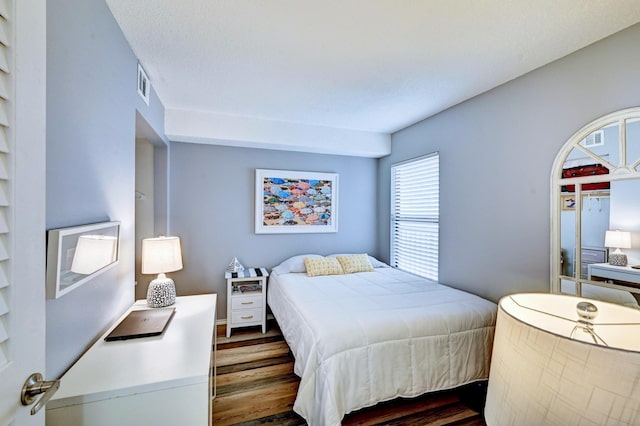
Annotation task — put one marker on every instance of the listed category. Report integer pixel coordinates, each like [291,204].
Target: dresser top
[180,356]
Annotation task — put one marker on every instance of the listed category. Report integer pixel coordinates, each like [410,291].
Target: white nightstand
[247,298]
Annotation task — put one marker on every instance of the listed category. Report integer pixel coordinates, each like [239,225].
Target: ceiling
[373,66]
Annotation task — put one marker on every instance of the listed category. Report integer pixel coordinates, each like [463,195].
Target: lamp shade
[94,252]
[161,255]
[617,239]
[547,368]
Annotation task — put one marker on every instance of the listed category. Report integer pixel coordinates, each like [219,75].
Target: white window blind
[415,215]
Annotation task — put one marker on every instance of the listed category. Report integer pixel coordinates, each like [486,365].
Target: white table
[625,276]
[161,380]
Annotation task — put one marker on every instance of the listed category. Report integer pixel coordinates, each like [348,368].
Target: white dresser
[162,380]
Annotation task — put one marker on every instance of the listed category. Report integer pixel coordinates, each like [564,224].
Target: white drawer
[593,256]
[246,302]
[246,316]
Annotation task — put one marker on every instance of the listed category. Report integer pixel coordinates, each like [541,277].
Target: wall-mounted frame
[295,202]
[79,253]
[568,202]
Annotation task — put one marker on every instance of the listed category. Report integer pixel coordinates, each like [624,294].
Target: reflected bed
[366,337]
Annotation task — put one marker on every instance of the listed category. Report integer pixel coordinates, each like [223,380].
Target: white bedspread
[362,338]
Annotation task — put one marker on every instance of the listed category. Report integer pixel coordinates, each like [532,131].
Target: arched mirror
[595,226]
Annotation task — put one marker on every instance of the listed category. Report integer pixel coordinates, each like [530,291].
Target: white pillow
[293,264]
[374,262]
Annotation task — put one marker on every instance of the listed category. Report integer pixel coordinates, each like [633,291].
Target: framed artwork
[296,202]
[568,202]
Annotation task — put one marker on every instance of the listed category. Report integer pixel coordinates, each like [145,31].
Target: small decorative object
[235,266]
[159,256]
[617,240]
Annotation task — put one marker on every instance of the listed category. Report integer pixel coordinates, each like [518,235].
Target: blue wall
[496,153]
[91,116]
[212,211]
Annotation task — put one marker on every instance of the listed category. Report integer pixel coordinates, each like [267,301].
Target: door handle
[35,385]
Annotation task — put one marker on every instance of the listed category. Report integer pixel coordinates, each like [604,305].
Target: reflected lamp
[159,256]
[564,360]
[94,252]
[617,240]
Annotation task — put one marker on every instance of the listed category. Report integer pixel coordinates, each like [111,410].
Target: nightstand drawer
[246,316]
[246,302]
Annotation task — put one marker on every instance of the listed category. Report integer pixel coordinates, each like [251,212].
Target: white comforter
[362,338]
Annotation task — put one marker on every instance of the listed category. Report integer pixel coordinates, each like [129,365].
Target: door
[22,203]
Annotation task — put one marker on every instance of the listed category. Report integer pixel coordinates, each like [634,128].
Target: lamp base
[617,259]
[161,292]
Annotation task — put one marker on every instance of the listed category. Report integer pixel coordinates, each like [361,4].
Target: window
[415,215]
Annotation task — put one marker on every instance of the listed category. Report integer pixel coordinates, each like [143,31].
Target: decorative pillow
[322,266]
[293,264]
[355,263]
[374,262]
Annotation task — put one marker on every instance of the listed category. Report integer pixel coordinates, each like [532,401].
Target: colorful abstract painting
[295,202]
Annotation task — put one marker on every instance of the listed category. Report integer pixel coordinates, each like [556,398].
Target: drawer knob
[248,317]
[247,303]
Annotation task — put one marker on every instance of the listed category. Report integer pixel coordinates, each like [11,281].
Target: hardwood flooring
[256,386]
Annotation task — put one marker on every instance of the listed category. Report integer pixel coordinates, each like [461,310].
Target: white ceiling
[372,66]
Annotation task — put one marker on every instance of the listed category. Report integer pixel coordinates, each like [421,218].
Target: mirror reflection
[77,253]
[599,191]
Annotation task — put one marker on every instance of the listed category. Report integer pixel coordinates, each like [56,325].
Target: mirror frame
[616,172]
[57,263]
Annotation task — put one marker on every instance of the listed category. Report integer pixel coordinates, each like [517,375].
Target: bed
[365,337]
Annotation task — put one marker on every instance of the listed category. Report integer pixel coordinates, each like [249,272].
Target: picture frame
[288,202]
[79,253]
[568,202]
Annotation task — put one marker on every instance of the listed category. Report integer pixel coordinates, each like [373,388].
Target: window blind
[415,215]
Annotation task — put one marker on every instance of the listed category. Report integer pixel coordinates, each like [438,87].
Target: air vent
[594,139]
[144,86]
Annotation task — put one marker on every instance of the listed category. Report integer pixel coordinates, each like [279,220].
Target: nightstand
[247,298]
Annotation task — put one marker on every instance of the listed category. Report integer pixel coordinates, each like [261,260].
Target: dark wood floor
[256,386]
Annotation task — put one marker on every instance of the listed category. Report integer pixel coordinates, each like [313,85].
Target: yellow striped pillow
[322,266]
[355,263]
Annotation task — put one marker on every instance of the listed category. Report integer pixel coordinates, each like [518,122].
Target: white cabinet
[161,380]
[247,298]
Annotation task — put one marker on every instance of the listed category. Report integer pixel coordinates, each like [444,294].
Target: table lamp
[94,252]
[564,360]
[159,256]
[617,240]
